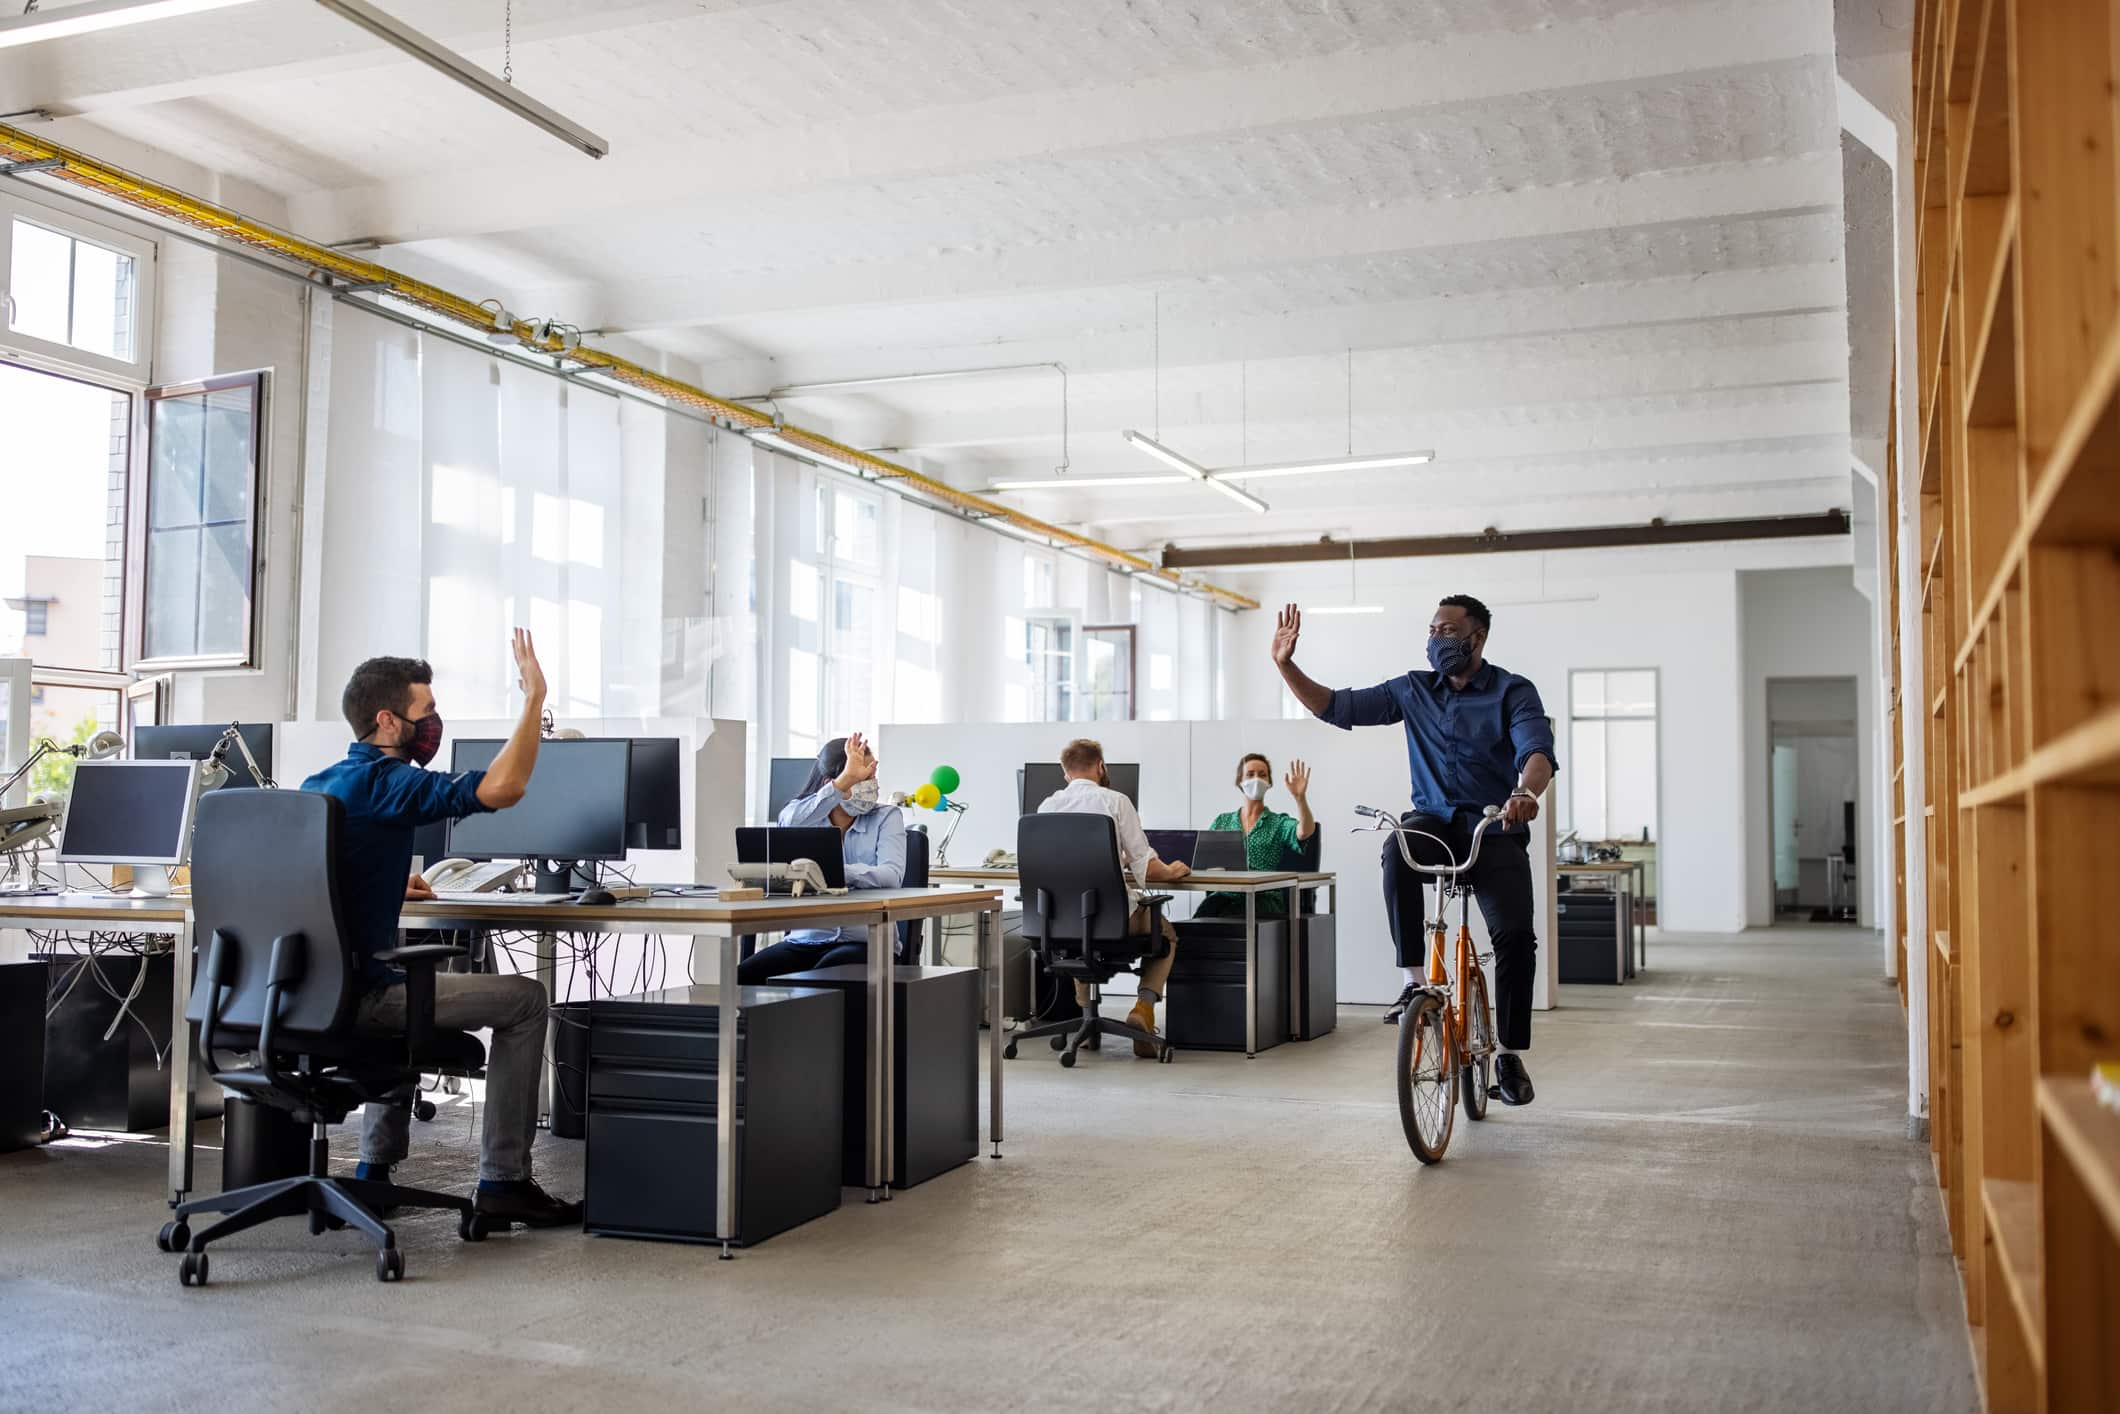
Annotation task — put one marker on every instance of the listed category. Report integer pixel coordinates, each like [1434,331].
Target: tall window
[73,293]
[1049,653]
[1612,770]
[197,521]
[1107,662]
[849,541]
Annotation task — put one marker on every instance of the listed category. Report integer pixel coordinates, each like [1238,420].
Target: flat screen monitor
[575,807]
[788,776]
[655,797]
[1040,779]
[769,844]
[196,743]
[129,812]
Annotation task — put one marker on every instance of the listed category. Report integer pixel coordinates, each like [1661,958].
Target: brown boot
[1144,1016]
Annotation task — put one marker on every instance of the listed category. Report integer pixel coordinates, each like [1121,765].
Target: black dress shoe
[525,1203]
[1397,1009]
[1512,1083]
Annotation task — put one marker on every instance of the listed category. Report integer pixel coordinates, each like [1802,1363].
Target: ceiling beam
[1495,541]
[1608,52]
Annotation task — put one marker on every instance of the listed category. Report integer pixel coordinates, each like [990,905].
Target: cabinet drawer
[632,1081]
[633,1040]
[650,1172]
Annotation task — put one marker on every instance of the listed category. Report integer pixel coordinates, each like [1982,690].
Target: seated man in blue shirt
[841,791]
[389,703]
[1476,735]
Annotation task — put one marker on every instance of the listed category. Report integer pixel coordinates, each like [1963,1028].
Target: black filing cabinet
[1205,1009]
[119,1083]
[653,1090]
[1316,1009]
[21,1054]
[934,1075]
[1595,945]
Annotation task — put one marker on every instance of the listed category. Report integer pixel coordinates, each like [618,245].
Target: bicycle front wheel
[1476,1073]
[1428,1077]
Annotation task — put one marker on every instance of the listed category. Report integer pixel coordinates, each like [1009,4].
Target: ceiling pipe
[80,170]
[1491,541]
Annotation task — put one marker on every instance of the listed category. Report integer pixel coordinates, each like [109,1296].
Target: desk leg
[881,1050]
[725,1028]
[1295,969]
[990,946]
[181,1096]
[1251,974]
[548,978]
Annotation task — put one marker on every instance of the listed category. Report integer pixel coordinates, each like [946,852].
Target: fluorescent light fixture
[1163,454]
[1242,497]
[1062,483]
[1319,467]
[1347,609]
[97,16]
[444,60]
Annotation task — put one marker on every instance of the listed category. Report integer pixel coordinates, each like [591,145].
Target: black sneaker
[1397,1009]
[1512,1083]
[525,1203]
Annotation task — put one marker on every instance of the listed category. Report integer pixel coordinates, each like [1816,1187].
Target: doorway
[1815,794]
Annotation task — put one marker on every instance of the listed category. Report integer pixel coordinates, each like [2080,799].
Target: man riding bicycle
[1476,735]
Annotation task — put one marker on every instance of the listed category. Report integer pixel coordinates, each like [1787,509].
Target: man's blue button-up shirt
[1465,747]
[386,799]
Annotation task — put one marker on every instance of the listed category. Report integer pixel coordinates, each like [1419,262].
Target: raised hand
[1297,780]
[1286,630]
[861,760]
[529,673]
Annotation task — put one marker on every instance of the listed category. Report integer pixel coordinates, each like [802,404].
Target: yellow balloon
[927,796]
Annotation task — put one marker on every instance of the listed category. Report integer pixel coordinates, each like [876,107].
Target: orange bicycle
[1446,1037]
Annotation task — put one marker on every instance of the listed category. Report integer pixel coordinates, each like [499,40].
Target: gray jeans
[514,1008]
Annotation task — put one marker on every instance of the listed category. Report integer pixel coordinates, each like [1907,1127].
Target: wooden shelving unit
[2017,240]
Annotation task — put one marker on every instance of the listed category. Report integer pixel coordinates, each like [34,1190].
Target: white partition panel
[1188,772]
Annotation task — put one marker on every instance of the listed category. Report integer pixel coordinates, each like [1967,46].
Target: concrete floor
[1711,1206]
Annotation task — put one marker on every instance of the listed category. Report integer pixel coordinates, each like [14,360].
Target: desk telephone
[999,859]
[465,876]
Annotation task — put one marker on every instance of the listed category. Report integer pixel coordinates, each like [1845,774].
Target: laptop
[1172,846]
[1219,849]
[771,844]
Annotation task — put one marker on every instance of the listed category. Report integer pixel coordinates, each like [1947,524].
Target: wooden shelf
[1942,942]
[1991,387]
[2013,1225]
[2089,1134]
[2086,754]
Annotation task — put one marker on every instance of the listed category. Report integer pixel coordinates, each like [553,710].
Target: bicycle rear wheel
[1428,1077]
[1477,1075]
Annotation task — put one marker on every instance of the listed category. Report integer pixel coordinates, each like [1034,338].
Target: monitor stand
[565,876]
[150,881]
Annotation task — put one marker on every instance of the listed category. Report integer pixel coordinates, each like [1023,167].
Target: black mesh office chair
[278,986]
[912,936]
[1076,916]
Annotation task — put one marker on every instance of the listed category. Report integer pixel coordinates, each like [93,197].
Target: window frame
[48,356]
[1084,696]
[138,491]
[1656,720]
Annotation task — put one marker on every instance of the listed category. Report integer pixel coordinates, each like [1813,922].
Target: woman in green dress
[1272,840]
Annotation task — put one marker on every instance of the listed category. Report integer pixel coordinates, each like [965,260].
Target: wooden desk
[1616,870]
[878,911]
[1249,883]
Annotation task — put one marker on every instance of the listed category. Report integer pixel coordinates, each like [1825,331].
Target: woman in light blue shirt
[841,791]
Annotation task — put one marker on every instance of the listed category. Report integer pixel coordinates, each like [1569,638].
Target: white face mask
[1254,788]
[864,797]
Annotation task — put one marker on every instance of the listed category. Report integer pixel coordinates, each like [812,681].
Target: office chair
[912,936]
[1076,916]
[278,986]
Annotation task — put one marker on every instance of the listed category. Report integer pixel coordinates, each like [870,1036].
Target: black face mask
[425,741]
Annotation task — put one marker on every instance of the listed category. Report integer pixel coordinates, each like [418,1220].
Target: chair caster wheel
[472,1227]
[193,1271]
[1164,1056]
[423,1111]
[389,1265]
[1067,1060]
[1059,1043]
[175,1236]
[1008,1052]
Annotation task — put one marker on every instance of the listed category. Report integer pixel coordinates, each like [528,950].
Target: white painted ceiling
[1590,251]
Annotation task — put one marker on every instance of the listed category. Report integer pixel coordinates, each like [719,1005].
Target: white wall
[1188,774]
[1805,623]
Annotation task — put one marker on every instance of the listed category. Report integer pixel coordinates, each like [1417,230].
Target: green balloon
[946,779]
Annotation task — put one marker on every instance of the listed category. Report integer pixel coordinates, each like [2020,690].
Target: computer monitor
[574,809]
[1040,779]
[196,743]
[788,776]
[131,812]
[773,844]
[655,796]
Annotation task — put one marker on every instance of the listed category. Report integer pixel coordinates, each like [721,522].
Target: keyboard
[473,896]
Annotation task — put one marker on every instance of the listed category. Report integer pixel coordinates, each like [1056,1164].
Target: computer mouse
[595,898]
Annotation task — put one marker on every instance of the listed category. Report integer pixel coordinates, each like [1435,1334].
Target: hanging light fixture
[96,16]
[1352,606]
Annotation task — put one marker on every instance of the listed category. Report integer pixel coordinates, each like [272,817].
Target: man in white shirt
[1088,792]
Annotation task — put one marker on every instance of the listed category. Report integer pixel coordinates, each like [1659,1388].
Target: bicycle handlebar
[1386,821]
